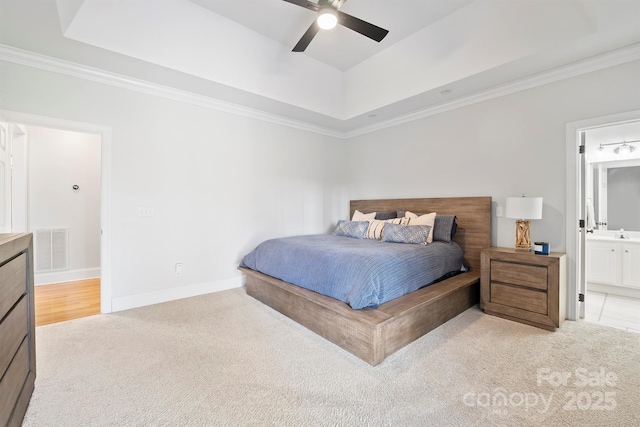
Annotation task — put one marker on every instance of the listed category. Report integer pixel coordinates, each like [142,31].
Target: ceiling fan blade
[366,29]
[304,3]
[307,37]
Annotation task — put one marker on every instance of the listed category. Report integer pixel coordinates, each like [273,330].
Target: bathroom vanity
[613,263]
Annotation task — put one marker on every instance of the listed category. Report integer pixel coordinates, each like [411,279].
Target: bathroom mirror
[616,195]
[623,200]
[612,179]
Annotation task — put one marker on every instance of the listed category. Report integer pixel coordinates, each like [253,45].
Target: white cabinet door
[631,265]
[602,266]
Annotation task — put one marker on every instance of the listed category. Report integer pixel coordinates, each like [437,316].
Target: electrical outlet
[499,211]
[178,269]
[145,211]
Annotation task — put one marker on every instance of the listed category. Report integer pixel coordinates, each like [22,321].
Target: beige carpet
[226,360]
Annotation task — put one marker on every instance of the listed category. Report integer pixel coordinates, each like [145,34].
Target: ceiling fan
[328,16]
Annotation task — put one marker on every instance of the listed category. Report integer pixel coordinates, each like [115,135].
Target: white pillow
[359,216]
[426,219]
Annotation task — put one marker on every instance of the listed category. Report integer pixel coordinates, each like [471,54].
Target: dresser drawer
[13,381]
[12,331]
[13,277]
[17,327]
[525,299]
[531,276]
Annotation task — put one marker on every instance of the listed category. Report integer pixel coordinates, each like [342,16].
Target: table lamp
[523,209]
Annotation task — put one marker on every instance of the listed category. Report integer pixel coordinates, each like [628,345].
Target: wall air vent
[51,252]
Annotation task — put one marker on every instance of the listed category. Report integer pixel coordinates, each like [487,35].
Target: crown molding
[606,60]
[43,62]
[60,66]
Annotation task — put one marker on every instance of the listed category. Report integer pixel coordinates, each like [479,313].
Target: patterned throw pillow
[426,219]
[397,233]
[444,227]
[355,229]
[376,226]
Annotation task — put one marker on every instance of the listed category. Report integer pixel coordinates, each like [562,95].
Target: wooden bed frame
[374,334]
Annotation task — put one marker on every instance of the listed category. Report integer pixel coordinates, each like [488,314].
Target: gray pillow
[444,228]
[397,233]
[355,229]
[384,215]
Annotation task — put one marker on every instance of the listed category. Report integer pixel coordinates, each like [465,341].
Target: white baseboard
[66,276]
[141,300]
[615,290]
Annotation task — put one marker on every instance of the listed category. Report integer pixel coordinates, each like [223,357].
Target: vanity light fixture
[623,148]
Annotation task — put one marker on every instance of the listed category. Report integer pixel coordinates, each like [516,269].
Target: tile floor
[613,310]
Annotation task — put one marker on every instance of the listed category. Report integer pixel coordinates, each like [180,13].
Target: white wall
[219,183]
[507,146]
[222,183]
[58,160]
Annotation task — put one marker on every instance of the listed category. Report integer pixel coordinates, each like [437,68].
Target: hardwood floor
[65,301]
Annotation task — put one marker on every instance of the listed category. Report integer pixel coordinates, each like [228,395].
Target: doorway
[612,195]
[63,213]
[611,291]
[60,234]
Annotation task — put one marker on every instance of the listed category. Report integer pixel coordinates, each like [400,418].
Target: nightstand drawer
[524,287]
[525,299]
[531,276]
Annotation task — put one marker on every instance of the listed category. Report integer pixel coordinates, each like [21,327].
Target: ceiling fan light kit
[329,16]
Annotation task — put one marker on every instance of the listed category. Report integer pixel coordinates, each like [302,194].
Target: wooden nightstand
[524,287]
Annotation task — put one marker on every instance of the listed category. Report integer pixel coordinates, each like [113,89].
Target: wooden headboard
[473,214]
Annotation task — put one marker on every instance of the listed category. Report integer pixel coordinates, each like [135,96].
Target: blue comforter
[360,272]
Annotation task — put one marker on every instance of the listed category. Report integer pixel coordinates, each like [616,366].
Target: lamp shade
[524,207]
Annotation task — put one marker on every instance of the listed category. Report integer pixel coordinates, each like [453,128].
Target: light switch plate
[146,211]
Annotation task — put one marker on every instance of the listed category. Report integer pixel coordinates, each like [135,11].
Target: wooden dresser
[524,287]
[17,327]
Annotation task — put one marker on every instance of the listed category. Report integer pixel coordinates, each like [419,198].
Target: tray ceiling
[240,51]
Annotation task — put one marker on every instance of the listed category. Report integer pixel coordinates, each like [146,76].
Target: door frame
[105,187]
[575,202]
[5,186]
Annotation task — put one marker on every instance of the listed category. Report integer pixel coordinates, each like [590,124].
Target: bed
[372,334]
